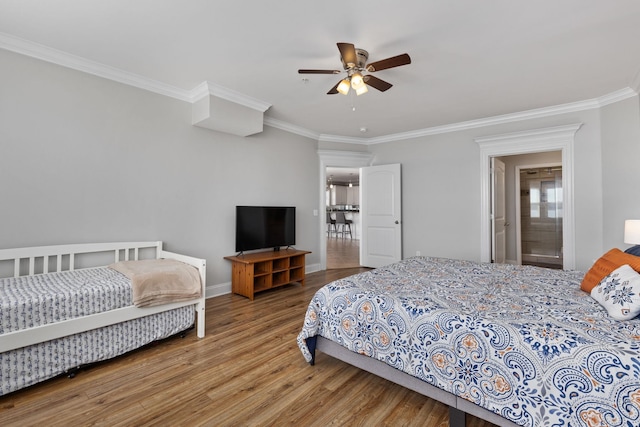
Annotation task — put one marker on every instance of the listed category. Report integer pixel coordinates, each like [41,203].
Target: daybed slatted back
[123,251]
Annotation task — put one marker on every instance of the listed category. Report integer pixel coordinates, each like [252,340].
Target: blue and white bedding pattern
[524,342]
[30,301]
[30,365]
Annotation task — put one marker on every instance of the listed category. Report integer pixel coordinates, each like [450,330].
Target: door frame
[558,138]
[334,158]
[495,199]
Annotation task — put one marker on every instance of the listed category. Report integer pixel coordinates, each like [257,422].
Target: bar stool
[349,224]
[331,225]
[344,224]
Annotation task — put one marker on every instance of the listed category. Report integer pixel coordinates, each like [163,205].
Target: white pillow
[619,293]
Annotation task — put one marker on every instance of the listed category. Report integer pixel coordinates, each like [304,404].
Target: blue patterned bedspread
[523,342]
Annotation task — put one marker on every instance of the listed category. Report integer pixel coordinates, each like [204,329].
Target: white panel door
[498,212]
[381,215]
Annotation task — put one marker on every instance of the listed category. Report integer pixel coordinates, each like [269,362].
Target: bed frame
[458,407]
[48,259]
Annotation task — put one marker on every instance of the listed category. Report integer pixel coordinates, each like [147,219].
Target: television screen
[259,227]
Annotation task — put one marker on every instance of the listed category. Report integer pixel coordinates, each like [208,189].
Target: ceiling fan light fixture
[362,89]
[356,81]
[343,87]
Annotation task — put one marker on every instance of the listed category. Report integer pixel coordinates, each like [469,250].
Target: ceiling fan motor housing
[362,57]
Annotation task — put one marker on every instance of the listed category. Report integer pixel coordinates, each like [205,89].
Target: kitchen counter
[343,208]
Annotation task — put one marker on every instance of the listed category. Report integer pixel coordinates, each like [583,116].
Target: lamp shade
[362,89]
[632,231]
[343,87]
[356,81]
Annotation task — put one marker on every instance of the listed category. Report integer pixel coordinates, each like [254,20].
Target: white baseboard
[311,268]
[219,289]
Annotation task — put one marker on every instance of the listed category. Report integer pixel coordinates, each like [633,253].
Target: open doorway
[560,139]
[342,217]
[334,158]
[533,209]
[540,215]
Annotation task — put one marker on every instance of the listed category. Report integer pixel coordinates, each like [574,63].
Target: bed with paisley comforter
[516,345]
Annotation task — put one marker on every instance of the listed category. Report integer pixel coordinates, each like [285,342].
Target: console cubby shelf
[258,271]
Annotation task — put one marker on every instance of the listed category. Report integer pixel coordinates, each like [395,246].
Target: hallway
[342,253]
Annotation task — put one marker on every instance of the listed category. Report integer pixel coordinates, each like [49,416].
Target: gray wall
[84,159]
[441,183]
[621,163]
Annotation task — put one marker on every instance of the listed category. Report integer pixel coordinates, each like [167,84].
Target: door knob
[397,222]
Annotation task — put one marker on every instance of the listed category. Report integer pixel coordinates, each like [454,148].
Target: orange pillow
[605,265]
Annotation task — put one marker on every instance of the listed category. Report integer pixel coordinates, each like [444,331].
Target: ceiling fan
[354,62]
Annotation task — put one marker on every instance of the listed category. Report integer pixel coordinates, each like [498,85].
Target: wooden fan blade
[394,61]
[348,53]
[334,89]
[375,82]
[319,71]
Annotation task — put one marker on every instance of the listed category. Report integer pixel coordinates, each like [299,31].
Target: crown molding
[616,96]
[207,88]
[343,139]
[511,117]
[288,127]
[45,53]
[548,135]
[491,121]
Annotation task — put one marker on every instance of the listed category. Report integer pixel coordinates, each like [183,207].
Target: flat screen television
[261,227]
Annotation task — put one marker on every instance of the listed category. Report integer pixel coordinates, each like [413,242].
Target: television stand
[259,271]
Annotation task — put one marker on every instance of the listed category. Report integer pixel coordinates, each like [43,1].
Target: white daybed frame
[40,260]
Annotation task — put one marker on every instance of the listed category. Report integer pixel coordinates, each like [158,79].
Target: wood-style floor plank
[343,252]
[247,371]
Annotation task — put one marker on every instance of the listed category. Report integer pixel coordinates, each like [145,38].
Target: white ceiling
[343,175]
[471,59]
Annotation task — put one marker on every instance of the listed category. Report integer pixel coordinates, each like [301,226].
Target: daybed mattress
[523,342]
[30,301]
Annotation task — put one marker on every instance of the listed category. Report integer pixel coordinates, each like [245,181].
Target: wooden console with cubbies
[259,271]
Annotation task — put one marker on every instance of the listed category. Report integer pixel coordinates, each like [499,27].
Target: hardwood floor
[343,253]
[247,371]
